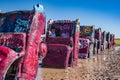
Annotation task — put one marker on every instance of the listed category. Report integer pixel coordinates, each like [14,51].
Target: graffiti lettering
[87,30]
[21,25]
[11,42]
[83,43]
[63,26]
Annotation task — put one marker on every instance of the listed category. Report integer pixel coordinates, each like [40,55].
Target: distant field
[117,41]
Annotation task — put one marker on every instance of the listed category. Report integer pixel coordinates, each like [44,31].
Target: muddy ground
[104,66]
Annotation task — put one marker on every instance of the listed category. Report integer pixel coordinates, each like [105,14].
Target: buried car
[84,48]
[87,32]
[98,39]
[62,42]
[20,33]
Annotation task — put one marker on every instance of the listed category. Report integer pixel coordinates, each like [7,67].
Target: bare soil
[104,66]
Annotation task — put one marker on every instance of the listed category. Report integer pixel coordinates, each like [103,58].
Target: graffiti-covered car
[88,33]
[84,48]
[108,40]
[62,43]
[103,41]
[98,38]
[112,41]
[20,33]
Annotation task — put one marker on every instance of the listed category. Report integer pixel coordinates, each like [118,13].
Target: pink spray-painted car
[98,37]
[84,48]
[87,32]
[112,41]
[20,41]
[62,42]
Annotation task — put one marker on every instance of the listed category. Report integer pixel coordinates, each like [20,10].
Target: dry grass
[117,41]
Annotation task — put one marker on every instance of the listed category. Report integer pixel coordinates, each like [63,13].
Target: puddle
[117,48]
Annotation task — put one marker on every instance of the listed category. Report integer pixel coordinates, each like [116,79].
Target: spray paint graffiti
[15,22]
[84,48]
[21,25]
[88,33]
[13,41]
[63,26]
[62,29]
[83,43]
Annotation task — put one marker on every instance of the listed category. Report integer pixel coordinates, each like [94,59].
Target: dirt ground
[104,66]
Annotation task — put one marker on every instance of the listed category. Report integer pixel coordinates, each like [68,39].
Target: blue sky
[101,13]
